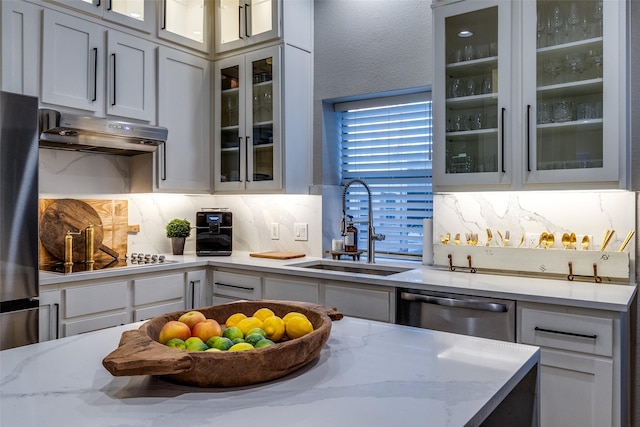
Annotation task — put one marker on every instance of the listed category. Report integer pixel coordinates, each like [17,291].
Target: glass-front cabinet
[187,22]
[241,23]
[138,14]
[541,103]
[247,123]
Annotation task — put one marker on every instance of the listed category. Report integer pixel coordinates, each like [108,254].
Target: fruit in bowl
[141,353]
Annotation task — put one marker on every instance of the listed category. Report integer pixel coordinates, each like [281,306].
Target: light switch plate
[275,231]
[300,231]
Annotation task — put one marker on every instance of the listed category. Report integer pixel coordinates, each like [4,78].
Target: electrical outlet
[275,231]
[300,231]
[531,240]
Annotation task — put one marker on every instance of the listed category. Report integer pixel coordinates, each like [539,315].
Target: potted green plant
[178,230]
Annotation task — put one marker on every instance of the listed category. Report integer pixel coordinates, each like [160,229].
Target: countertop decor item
[140,353]
[277,255]
[178,230]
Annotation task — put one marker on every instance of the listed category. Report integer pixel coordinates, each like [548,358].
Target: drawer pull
[573,334]
[245,288]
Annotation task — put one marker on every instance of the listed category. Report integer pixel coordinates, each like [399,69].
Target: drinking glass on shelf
[595,56]
[540,39]
[575,62]
[545,112]
[597,15]
[552,66]
[468,52]
[456,88]
[573,20]
[558,22]
[563,111]
[460,123]
[470,87]
[477,120]
[487,86]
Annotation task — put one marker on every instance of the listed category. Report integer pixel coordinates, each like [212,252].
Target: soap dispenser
[350,236]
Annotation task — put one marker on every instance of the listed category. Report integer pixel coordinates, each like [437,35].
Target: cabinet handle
[163,175]
[529,138]
[573,334]
[240,22]
[246,21]
[96,3]
[57,320]
[502,137]
[246,160]
[113,83]
[244,288]
[95,74]
[193,293]
[164,14]
[108,4]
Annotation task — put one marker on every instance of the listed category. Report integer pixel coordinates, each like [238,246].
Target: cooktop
[133,260]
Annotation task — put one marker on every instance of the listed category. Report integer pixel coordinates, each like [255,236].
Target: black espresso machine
[214,232]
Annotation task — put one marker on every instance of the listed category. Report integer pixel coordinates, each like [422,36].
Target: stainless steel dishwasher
[460,314]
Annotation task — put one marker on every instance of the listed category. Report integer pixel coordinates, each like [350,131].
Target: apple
[174,329]
[206,329]
[191,318]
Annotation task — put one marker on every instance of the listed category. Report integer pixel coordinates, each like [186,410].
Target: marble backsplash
[95,176]
[581,212]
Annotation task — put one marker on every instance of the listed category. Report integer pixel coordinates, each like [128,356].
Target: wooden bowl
[140,353]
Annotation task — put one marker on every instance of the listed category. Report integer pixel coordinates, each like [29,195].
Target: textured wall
[367,46]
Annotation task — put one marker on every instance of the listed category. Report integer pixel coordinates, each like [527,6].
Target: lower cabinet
[228,287]
[75,308]
[368,302]
[49,315]
[291,290]
[581,364]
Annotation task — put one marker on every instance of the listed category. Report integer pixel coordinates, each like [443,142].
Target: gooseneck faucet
[371,235]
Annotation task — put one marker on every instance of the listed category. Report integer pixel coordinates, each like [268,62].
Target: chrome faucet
[371,235]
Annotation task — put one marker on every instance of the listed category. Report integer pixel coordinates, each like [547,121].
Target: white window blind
[387,143]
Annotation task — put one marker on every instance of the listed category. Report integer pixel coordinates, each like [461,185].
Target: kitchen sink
[344,267]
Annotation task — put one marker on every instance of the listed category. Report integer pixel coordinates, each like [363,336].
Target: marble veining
[368,373]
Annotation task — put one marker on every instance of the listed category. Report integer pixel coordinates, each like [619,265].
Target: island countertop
[368,373]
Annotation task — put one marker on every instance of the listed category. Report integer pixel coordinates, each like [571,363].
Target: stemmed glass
[557,23]
[575,61]
[552,66]
[597,14]
[595,56]
[540,30]
[573,20]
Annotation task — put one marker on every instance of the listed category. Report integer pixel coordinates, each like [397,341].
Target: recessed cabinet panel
[72,63]
[136,14]
[95,298]
[156,289]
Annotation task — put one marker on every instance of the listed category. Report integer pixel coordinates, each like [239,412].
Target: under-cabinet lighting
[465,33]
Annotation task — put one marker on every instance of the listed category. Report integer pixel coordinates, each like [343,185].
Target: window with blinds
[387,143]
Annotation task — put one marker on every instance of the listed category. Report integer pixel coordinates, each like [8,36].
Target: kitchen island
[369,373]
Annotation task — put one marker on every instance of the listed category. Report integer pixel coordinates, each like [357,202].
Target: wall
[96,176]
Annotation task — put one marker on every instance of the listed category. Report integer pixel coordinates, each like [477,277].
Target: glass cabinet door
[243,22]
[186,22]
[131,8]
[231,135]
[471,66]
[573,128]
[261,148]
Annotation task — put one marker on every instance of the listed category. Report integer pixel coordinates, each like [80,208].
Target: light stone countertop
[368,373]
[579,293]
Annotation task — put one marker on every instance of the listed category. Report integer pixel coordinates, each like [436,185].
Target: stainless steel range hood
[64,131]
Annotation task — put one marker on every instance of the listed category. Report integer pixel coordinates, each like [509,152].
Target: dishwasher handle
[455,302]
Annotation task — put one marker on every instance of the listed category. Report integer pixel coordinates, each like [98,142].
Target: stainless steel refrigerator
[18,220]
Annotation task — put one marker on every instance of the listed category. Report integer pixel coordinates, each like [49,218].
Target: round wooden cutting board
[69,215]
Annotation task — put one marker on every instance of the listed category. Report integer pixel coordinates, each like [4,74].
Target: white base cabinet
[228,287]
[73,308]
[581,381]
[368,302]
[291,290]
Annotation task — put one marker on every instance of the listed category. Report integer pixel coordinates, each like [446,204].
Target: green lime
[211,340]
[264,343]
[232,332]
[237,340]
[176,343]
[222,343]
[253,338]
[256,331]
[195,344]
